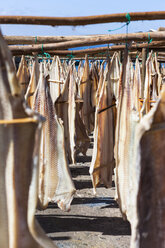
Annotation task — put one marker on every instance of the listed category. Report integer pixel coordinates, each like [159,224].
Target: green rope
[42,48]
[110,30]
[149,41]
[47,55]
[71,56]
[128,17]
[35,39]
[107,52]
[149,38]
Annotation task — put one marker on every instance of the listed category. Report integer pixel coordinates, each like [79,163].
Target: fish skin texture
[103,156]
[61,106]
[29,96]
[52,182]
[72,114]
[150,225]
[85,86]
[56,73]
[23,74]
[16,167]
[123,137]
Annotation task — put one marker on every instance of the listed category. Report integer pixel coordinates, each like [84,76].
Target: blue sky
[78,8]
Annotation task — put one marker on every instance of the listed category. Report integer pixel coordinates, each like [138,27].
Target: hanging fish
[102,164]
[122,137]
[23,74]
[55,183]
[149,225]
[29,96]
[87,111]
[56,80]
[18,128]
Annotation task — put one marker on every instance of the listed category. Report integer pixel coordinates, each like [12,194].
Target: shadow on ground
[83,159]
[81,223]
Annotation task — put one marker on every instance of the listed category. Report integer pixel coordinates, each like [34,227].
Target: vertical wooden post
[144,58]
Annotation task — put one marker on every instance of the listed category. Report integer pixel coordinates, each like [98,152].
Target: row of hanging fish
[20,130]
[55,93]
[139,152]
[111,102]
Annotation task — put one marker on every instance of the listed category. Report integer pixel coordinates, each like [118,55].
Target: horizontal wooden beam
[156,46]
[161,29]
[22,40]
[131,47]
[122,38]
[82,20]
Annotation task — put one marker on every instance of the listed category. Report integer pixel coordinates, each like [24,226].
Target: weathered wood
[161,29]
[157,46]
[21,40]
[144,58]
[155,36]
[83,20]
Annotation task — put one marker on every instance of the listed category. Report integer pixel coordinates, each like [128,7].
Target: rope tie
[42,48]
[128,17]
[149,41]
[47,55]
[35,39]
[108,54]
[71,56]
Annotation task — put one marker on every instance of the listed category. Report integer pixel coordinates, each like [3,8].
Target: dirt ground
[94,221]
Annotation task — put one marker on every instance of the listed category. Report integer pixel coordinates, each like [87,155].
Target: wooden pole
[22,40]
[106,49]
[83,20]
[144,58]
[90,41]
[161,29]
[132,47]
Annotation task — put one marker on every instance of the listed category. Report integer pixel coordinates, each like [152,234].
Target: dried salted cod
[23,74]
[150,87]
[159,76]
[136,87]
[56,80]
[16,170]
[114,82]
[80,70]
[85,94]
[103,157]
[65,68]
[101,80]
[34,227]
[154,84]
[68,105]
[134,119]
[72,114]
[115,74]
[55,183]
[30,65]
[127,121]
[94,85]
[149,224]
[98,65]
[29,96]
[122,137]
[61,106]
[82,139]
